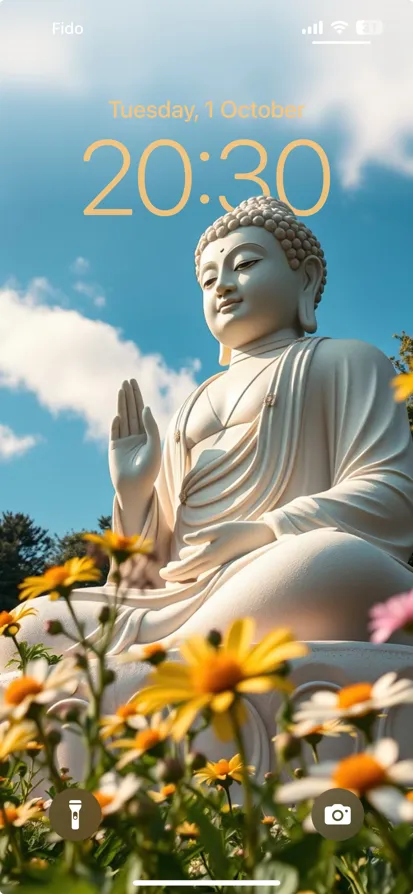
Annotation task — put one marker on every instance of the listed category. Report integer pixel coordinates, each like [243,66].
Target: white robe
[329,460]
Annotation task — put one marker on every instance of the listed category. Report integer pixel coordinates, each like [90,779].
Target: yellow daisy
[15,737]
[59,580]
[188,830]
[216,678]
[114,724]
[22,813]
[222,771]
[149,735]
[119,547]
[9,621]
[164,794]
[403,385]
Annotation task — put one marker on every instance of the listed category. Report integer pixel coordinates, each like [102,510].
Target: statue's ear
[312,275]
[224,355]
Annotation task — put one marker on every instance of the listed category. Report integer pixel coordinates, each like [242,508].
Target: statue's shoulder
[358,356]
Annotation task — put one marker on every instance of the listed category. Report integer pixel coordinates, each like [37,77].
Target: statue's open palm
[135,446]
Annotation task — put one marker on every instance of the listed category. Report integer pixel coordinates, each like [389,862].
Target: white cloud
[92,291]
[76,365]
[12,445]
[80,266]
[365,94]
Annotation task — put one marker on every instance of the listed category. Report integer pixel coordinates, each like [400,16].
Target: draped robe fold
[329,449]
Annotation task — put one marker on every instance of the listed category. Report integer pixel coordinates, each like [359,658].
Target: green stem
[251,832]
[21,653]
[54,775]
[229,798]
[351,876]
[314,752]
[395,855]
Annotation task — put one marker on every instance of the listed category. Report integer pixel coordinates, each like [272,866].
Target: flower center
[103,799]
[168,790]
[359,773]
[409,796]
[18,690]
[222,767]
[147,738]
[56,576]
[6,619]
[353,695]
[11,815]
[125,711]
[217,674]
[152,649]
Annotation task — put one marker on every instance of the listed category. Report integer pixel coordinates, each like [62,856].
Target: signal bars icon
[318,28]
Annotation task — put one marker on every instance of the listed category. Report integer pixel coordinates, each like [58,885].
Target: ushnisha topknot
[295,238]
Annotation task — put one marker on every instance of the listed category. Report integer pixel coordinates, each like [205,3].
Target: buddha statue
[284,488]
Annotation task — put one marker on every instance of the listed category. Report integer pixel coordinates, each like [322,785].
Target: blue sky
[70,329]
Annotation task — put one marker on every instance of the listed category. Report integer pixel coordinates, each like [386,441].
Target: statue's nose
[222,286]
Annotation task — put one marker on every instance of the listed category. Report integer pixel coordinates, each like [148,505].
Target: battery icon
[369,26]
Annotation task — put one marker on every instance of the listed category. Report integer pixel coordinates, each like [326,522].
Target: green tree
[404,364]
[25,549]
[73,545]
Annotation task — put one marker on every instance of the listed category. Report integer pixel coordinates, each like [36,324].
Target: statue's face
[248,286]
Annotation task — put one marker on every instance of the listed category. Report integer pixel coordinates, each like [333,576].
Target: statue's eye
[209,282]
[244,265]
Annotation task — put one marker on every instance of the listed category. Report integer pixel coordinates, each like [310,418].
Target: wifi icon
[339,27]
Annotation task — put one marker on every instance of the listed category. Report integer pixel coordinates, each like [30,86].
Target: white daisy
[356,700]
[332,728]
[114,792]
[373,774]
[39,684]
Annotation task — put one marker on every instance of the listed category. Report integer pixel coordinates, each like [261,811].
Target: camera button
[337,814]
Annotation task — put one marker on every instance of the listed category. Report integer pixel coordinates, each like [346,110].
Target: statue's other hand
[134,446]
[215,545]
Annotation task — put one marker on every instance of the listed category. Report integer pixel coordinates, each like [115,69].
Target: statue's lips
[229,305]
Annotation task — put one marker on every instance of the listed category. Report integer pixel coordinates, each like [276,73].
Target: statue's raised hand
[134,448]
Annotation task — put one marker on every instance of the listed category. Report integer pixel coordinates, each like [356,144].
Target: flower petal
[302,789]
[239,636]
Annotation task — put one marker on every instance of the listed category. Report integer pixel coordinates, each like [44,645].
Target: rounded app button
[337,814]
[75,814]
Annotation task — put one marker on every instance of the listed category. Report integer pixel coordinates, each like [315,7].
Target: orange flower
[149,735]
[9,621]
[119,547]
[222,771]
[60,580]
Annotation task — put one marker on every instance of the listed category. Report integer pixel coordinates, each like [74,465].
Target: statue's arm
[370,451]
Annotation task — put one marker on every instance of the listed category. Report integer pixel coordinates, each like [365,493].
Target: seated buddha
[284,488]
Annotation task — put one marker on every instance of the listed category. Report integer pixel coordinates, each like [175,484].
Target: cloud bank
[75,365]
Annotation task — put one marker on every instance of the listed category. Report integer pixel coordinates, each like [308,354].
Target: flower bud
[104,615]
[170,770]
[214,638]
[195,761]
[53,628]
[298,773]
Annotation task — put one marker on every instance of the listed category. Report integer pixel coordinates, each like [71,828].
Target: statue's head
[269,264]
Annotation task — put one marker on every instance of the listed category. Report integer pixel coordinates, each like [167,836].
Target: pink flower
[387,617]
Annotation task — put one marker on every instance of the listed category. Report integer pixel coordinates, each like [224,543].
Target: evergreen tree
[25,549]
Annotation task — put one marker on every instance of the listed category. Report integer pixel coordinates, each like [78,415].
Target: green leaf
[287,875]
[211,838]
